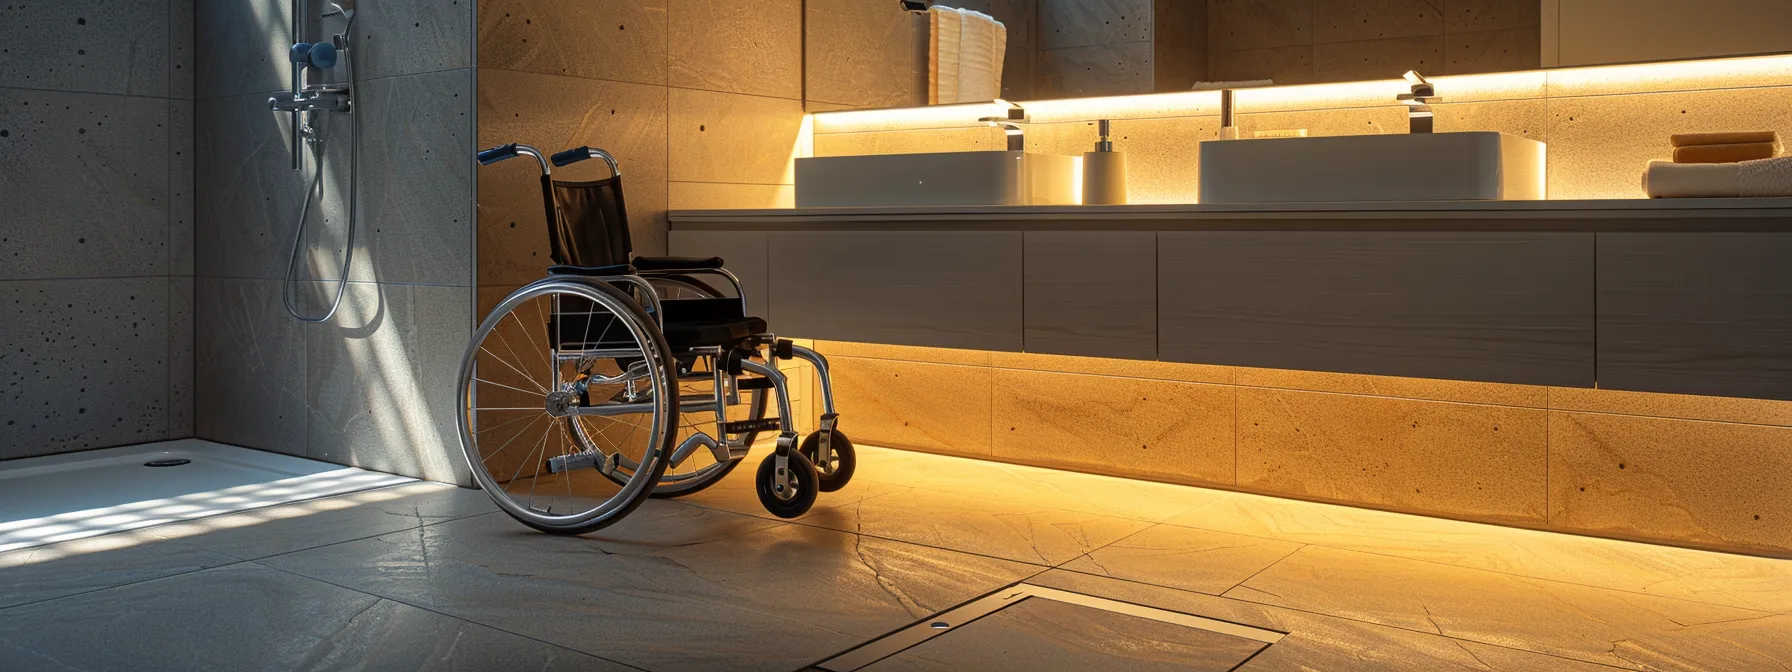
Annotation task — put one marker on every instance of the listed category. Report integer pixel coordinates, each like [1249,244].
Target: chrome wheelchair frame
[607,470]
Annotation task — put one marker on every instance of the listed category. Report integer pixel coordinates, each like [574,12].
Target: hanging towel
[981,50]
[945,29]
[1763,178]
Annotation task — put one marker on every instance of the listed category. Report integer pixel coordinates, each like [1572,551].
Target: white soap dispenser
[1104,172]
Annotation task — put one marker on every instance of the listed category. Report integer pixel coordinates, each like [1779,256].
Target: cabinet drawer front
[1696,313]
[946,289]
[1092,293]
[1487,306]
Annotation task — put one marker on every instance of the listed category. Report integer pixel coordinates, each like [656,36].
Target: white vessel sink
[1474,166]
[950,178]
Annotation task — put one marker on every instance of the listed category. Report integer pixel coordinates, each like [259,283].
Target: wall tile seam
[383,283]
[1167,478]
[362,80]
[737,184]
[798,99]
[33,89]
[95,278]
[1217,384]
[1670,418]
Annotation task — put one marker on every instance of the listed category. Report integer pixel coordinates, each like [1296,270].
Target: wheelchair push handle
[490,156]
[577,154]
[510,151]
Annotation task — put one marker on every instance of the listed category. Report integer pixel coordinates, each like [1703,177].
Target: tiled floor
[431,577]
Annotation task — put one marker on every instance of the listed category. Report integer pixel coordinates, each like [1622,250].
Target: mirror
[877,53]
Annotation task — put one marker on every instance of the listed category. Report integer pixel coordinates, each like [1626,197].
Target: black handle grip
[571,156]
[490,156]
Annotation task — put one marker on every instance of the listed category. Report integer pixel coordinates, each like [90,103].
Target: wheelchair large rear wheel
[568,348]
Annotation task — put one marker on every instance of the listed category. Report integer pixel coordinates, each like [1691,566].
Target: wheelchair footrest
[760,425]
[580,460]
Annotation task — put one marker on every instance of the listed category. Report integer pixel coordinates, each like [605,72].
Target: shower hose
[315,138]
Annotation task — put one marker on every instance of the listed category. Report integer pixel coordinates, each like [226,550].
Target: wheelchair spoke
[488,458]
[525,462]
[512,368]
[508,387]
[506,342]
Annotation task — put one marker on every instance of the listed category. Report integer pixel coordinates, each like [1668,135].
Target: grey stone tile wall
[1305,41]
[96,135]
[373,386]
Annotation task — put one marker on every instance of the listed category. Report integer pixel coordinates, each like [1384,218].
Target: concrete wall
[96,224]
[373,387]
[1306,41]
[1590,32]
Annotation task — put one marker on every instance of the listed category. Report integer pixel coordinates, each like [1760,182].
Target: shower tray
[55,498]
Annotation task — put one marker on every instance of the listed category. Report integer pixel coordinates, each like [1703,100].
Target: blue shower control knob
[323,55]
[300,53]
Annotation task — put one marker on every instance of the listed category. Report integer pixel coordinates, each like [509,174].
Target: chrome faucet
[1418,102]
[1017,136]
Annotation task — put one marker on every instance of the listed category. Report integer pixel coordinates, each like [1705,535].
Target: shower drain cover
[1039,629]
[172,462]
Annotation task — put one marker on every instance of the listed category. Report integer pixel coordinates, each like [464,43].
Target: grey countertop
[1687,213]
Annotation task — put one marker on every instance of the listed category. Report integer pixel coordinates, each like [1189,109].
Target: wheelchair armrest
[677,263]
[593,271]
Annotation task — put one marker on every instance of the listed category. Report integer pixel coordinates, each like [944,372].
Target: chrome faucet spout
[1418,101]
[1011,124]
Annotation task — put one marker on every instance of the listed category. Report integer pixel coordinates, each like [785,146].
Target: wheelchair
[621,377]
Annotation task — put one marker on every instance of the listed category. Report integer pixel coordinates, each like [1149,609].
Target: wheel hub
[560,404]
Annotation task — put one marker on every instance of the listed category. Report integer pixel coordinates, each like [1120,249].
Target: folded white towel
[1759,178]
[1764,177]
[981,50]
[945,29]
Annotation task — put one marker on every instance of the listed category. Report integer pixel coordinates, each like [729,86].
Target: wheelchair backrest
[591,225]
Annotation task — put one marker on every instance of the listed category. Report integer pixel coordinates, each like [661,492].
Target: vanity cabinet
[1688,297]
[1091,293]
[945,289]
[1696,313]
[1488,306]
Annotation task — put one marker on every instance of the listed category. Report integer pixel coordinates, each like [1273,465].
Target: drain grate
[175,462]
[1035,628]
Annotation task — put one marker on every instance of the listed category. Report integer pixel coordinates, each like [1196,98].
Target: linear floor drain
[1038,629]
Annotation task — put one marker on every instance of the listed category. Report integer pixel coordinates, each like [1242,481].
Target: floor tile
[1013,530]
[1718,578]
[1184,558]
[85,565]
[270,620]
[757,594]
[1071,491]
[1040,635]
[320,522]
[1566,620]
[1318,642]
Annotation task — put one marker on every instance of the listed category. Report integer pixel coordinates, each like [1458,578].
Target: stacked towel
[1725,147]
[965,54]
[1764,177]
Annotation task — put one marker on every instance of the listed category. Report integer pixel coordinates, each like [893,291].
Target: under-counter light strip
[1750,71]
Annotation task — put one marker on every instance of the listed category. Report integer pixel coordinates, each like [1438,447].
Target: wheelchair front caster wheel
[787,495]
[835,472]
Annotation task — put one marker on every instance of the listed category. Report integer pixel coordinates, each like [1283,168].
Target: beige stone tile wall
[1685,470]
[700,100]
